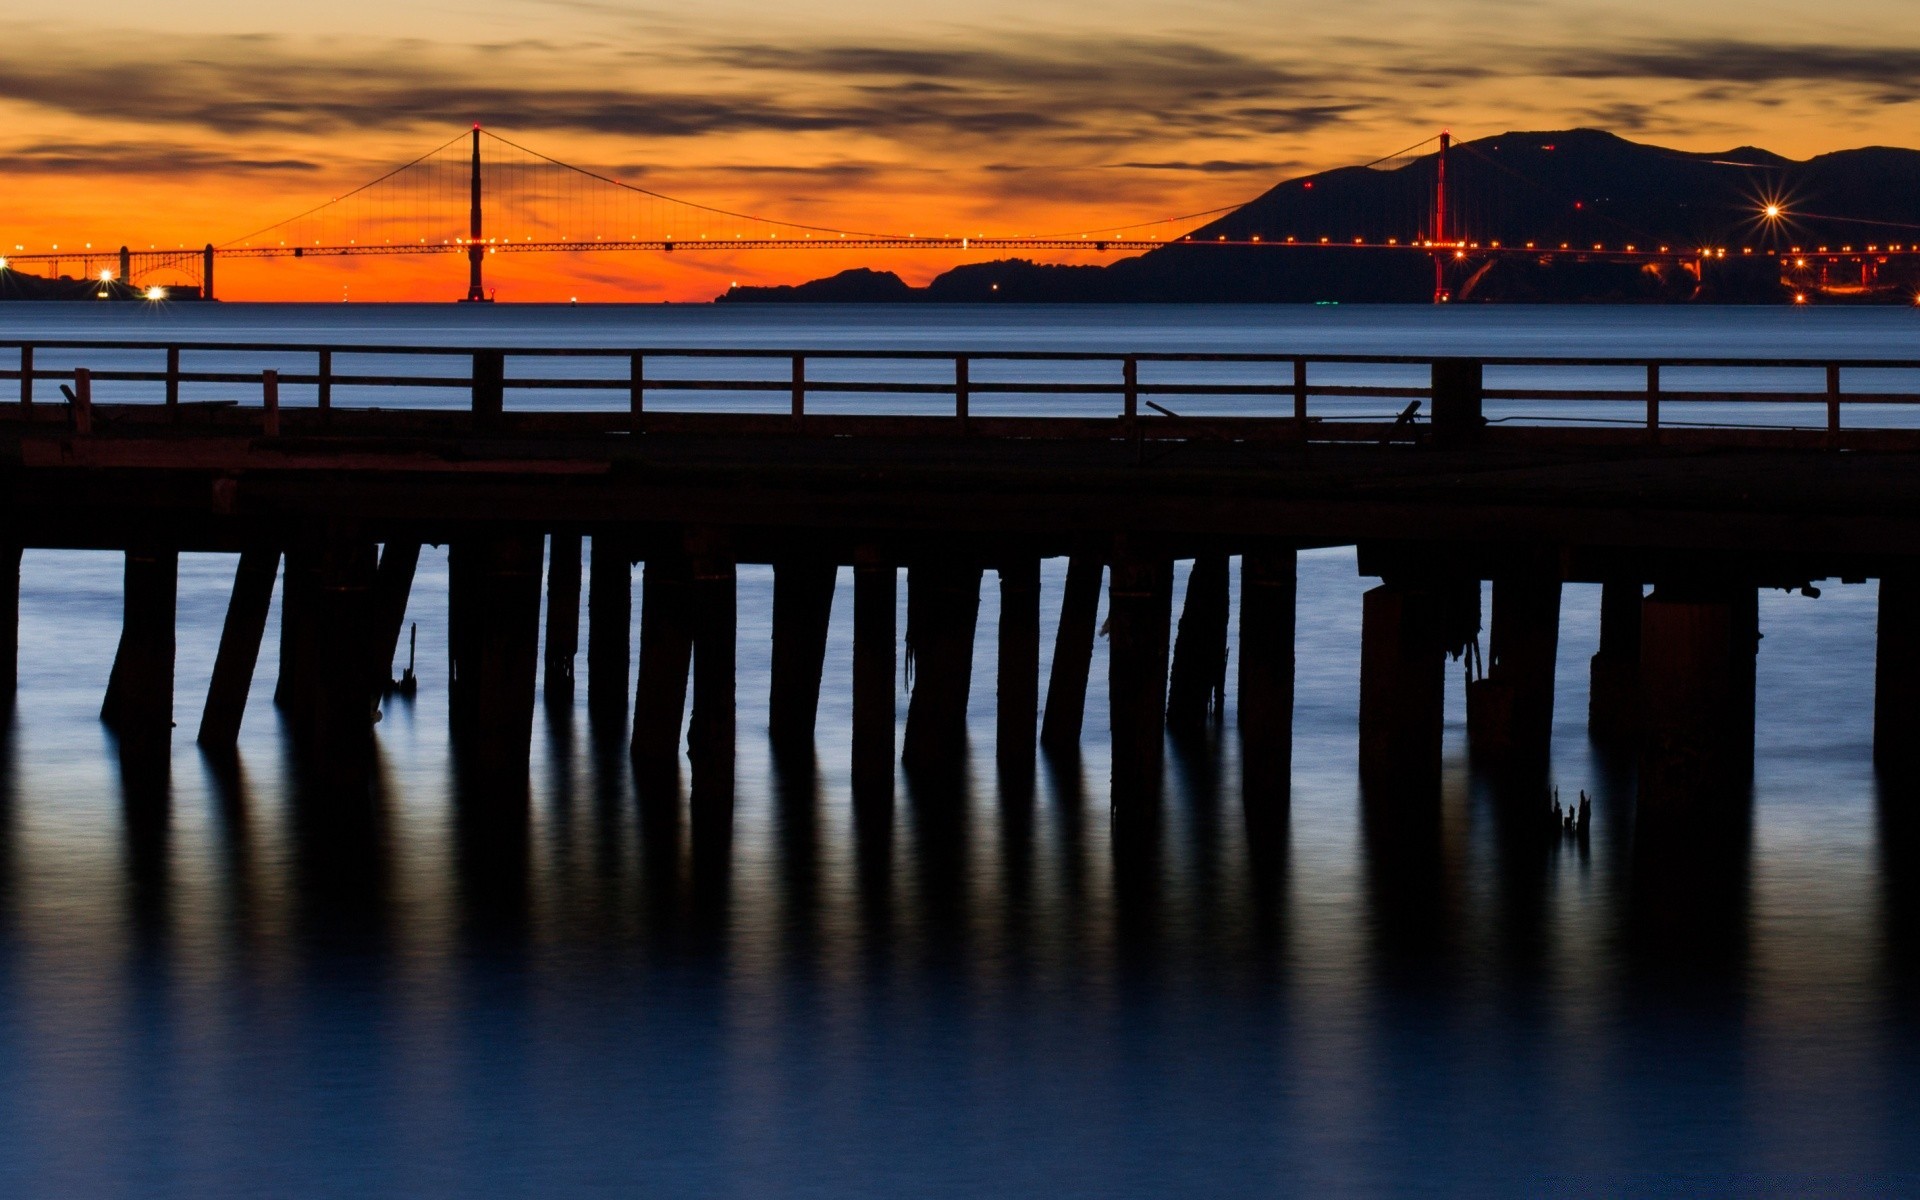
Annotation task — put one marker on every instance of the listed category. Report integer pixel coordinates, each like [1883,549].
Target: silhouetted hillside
[1563,187]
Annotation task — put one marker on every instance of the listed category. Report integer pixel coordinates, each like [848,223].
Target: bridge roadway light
[1771,212]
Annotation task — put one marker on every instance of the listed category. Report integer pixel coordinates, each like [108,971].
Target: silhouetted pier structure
[952,483]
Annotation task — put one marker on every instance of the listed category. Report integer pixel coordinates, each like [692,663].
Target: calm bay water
[240,995]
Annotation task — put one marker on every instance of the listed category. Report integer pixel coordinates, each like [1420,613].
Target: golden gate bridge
[480,194]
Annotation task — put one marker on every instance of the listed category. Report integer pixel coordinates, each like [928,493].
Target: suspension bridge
[480,194]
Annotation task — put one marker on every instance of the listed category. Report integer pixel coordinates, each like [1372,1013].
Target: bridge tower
[1440,293]
[476,252]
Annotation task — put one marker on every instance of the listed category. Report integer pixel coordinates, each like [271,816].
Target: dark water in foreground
[227,988]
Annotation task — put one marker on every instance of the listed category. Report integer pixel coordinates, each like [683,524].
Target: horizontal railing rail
[1135,383]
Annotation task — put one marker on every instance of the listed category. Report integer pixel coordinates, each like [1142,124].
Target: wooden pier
[951,470]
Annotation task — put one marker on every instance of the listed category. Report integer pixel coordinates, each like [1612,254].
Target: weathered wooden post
[666,653]
[139,702]
[10,619]
[299,630]
[876,583]
[1696,684]
[1896,688]
[1613,701]
[943,609]
[239,651]
[563,617]
[802,606]
[1510,710]
[339,728]
[1072,656]
[1267,621]
[710,732]
[1196,689]
[500,637]
[609,625]
[489,388]
[1402,691]
[1457,392]
[1018,710]
[392,589]
[1139,617]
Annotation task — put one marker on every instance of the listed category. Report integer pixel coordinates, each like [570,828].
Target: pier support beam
[1510,711]
[1267,619]
[495,604]
[139,703]
[1017,713]
[1613,702]
[609,626]
[1402,691]
[710,732]
[239,652]
[666,653]
[299,630]
[1197,686]
[563,617]
[392,590]
[1139,616]
[1072,657]
[1696,684]
[1896,689]
[338,730]
[876,586]
[802,606]
[9,625]
[943,610]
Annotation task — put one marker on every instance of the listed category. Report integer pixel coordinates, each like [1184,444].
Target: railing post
[270,402]
[173,383]
[1130,401]
[26,377]
[1457,391]
[324,395]
[489,388]
[1833,399]
[1653,402]
[962,389]
[1300,395]
[82,400]
[636,392]
[799,387]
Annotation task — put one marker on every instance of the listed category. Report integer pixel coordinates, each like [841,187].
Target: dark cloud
[1210,167]
[139,158]
[1894,69]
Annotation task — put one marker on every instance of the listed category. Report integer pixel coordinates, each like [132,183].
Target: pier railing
[1832,402]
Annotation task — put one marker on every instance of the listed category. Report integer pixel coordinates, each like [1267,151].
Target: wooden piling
[338,730]
[563,617]
[1510,710]
[666,652]
[239,651]
[609,625]
[710,731]
[1196,688]
[392,589]
[489,389]
[499,577]
[1267,622]
[139,702]
[1402,693]
[802,606]
[875,660]
[9,624]
[1613,700]
[1896,688]
[1017,713]
[1691,680]
[299,610]
[1072,656]
[1139,617]
[943,610]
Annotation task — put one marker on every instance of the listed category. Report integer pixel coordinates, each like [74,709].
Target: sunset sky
[201,120]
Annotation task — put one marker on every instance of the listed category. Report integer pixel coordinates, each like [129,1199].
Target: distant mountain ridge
[1578,187]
